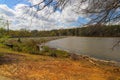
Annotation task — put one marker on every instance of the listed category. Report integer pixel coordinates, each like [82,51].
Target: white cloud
[35,1]
[42,19]
[6,10]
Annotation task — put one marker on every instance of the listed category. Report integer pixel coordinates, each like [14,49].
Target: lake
[97,47]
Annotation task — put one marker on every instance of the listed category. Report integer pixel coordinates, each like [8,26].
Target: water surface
[96,47]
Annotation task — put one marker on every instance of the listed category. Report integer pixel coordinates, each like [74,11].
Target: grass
[29,45]
[54,52]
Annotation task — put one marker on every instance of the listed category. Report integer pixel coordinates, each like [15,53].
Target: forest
[89,31]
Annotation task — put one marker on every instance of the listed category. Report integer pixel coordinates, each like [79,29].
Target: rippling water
[96,47]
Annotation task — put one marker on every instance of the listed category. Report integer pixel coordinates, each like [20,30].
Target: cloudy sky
[20,16]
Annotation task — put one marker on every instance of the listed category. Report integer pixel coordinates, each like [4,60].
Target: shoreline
[86,57]
[78,57]
[23,66]
[115,60]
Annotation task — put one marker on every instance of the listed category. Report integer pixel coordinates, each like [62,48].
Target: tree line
[90,31]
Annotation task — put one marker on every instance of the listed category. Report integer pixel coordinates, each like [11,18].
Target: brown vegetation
[33,67]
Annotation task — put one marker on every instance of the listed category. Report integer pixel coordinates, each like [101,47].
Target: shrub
[30,46]
[54,52]
[1,54]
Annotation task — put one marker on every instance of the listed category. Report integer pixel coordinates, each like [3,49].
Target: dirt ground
[36,67]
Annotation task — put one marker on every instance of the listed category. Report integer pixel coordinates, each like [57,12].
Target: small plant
[54,52]
[74,56]
[1,54]
[3,39]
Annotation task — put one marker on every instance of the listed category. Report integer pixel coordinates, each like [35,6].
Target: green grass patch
[54,52]
[30,45]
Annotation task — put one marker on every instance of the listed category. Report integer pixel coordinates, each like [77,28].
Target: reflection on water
[93,46]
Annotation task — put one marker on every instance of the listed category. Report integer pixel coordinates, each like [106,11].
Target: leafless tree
[98,11]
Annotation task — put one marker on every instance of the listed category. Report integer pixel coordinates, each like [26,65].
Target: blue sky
[64,19]
[12,3]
